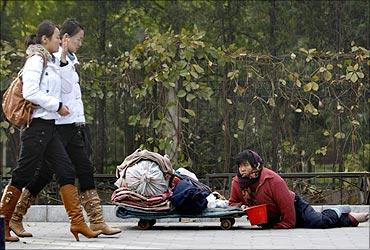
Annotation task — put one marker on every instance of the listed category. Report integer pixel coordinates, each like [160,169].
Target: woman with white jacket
[72,132]
[40,141]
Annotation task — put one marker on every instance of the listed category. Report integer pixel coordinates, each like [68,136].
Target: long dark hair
[71,27]
[45,28]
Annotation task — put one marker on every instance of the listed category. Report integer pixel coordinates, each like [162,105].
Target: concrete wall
[57,213]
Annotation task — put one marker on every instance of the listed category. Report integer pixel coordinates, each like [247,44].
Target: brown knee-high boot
[72,205]
[8,202]
[91,203]
[24,203]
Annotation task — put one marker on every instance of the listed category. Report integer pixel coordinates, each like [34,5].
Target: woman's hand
[64,110]
[65,41]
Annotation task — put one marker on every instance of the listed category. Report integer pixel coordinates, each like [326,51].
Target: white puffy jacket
[47,93]
[72,99]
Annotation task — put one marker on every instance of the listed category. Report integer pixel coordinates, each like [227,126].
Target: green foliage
[170,63]
[357,161]
[155,79]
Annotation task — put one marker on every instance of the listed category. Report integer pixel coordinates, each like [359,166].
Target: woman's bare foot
[360,217]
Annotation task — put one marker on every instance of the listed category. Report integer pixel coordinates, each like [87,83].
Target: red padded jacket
[272,190]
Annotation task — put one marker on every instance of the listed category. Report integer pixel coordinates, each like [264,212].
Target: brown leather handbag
[17,110]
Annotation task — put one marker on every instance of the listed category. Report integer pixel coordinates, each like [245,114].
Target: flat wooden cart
[147,219]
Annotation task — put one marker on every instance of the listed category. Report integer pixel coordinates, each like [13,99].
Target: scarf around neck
[38,49]
[245,182]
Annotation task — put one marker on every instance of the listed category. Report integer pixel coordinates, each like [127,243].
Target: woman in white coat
[40,141]
[73,135]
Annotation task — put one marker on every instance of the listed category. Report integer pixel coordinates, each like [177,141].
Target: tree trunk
[275,123]
[338,6]
[174,114]
[226,124]
[174,111]
[228,29]
[100,123]
[4,27]
[338,24]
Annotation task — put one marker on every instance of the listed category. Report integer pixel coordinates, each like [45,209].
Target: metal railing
[332,181]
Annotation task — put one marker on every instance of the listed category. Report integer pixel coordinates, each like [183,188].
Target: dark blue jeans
[307,217]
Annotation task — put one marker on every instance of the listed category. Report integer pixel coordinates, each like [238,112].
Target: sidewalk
[193,234]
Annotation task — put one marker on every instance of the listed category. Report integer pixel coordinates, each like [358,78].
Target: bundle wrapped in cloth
[163,162]
[146,178]
[143,179]
[124,196]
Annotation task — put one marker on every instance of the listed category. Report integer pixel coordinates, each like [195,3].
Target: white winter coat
[47,93]
[73,99]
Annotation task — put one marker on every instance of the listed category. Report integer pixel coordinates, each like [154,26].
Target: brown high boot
[72,205]
[24,203]
[7,205]
[91,203]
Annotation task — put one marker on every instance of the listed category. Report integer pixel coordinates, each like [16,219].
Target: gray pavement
[195,234]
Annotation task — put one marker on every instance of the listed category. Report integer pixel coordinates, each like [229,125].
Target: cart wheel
[152,222]
[226,223]
[144,224]
[232,221]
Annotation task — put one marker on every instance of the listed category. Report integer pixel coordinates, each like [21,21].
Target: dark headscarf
[254,160]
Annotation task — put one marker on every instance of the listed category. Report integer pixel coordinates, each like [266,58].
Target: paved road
[195,235]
